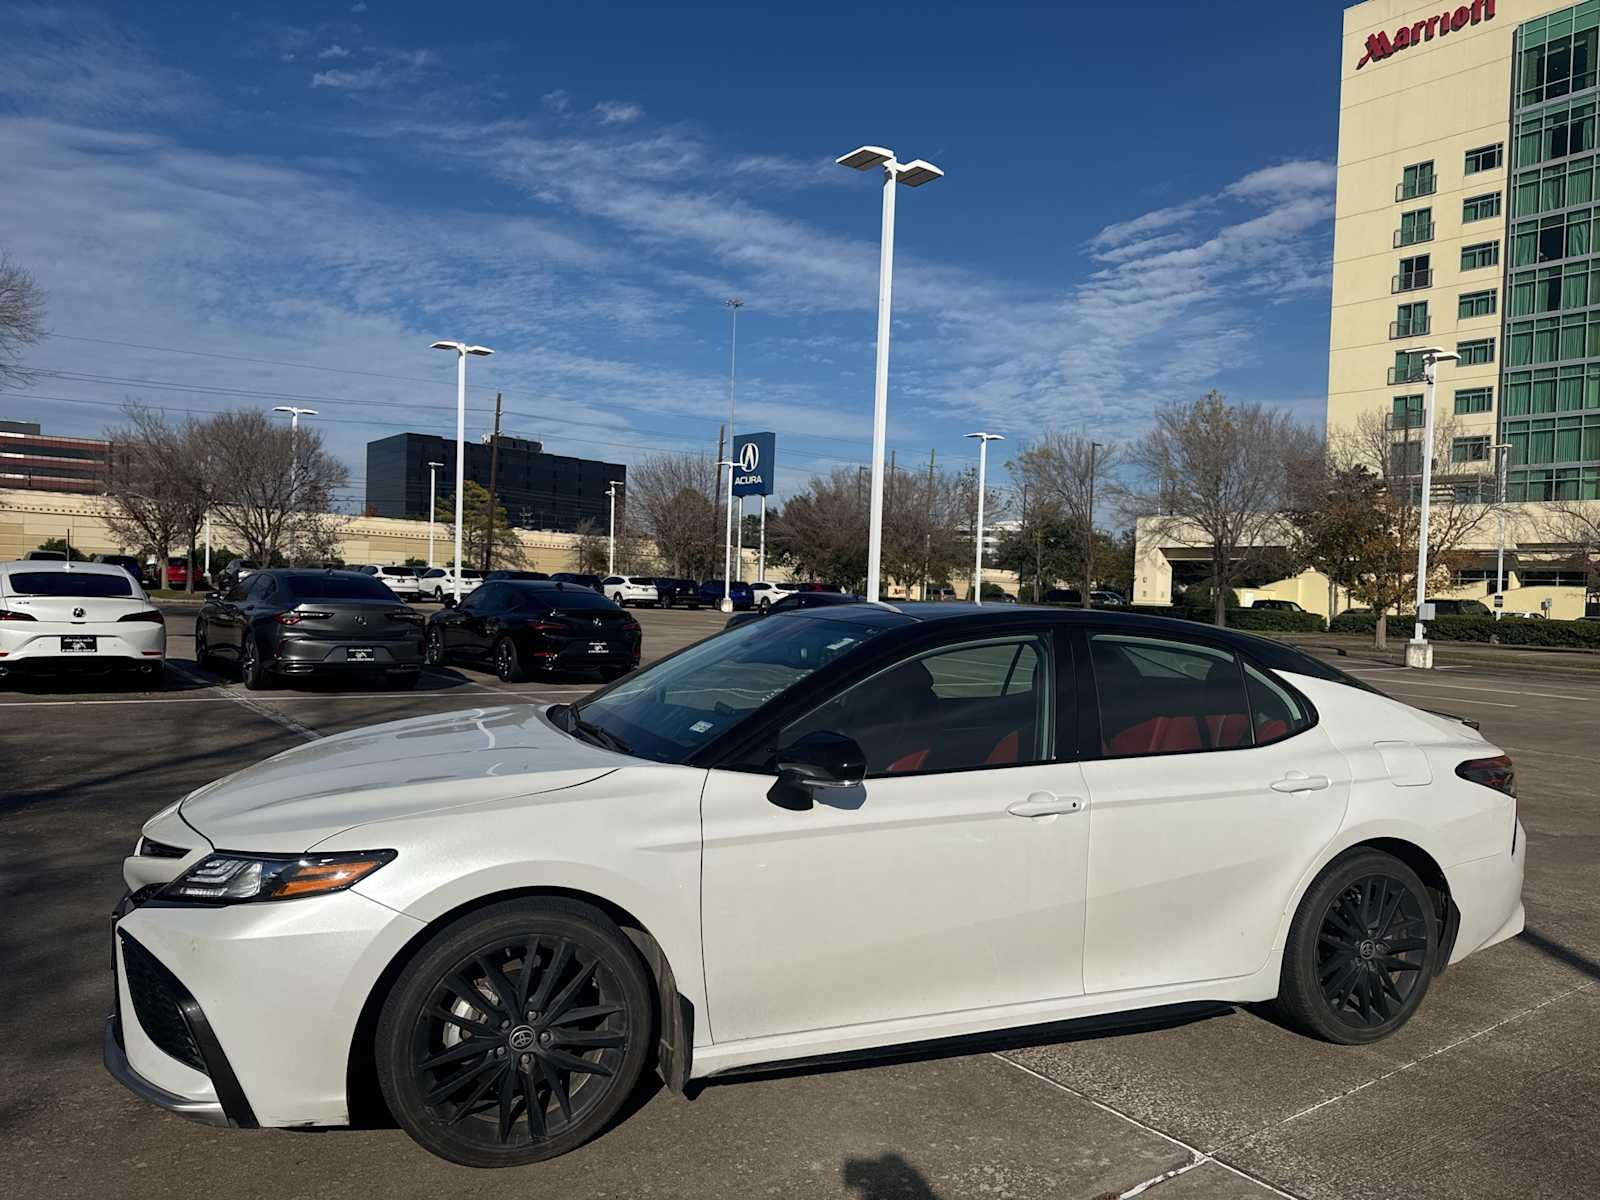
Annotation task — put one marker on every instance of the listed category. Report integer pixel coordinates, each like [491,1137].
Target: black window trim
[1089,732]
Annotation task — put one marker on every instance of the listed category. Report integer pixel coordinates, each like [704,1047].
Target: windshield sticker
[700,726]
[841,643]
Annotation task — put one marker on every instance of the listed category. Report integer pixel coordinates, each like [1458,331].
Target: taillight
[296,616]
[154,616]
[1496,773]
[538,626]
[11,615]
[404,614]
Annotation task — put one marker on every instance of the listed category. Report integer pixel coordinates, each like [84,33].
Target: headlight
[241,878]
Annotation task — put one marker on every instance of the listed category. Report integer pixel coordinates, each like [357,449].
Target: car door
[951,879]
[469,633]
[1211,789]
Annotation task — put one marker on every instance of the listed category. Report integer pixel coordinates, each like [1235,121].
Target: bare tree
[1221,473]
[592,549]
[21,319]
[1061,472]
[268,481]
[1576,524]
[1463,499]
[821,533]
[924,515]
[147,508]
[670,500]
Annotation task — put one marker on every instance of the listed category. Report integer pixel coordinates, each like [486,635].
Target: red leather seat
[910,762]
[1157,735]
[1228,730]
[1006,750]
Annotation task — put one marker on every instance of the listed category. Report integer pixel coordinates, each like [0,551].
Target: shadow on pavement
[886,1177]
[1561,953]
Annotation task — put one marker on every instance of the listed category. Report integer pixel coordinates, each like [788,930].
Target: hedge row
[1259,620]
[1509,631]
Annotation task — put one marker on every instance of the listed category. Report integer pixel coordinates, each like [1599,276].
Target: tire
[202,649]
[507,662]
[474,1107]
[618,601]
[438,595]
[1361,950]
[251,670]
[436,653]
[765,605]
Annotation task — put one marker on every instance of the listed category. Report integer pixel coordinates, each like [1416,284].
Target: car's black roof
[1279,656]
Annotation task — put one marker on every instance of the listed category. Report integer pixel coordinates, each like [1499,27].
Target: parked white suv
[402,581]
[765,594]
[59,616]
[630,589]
[441,582]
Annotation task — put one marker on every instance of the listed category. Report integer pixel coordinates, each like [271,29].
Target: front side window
[1165,697]
[980,704]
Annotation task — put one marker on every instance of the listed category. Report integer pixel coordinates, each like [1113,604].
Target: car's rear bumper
[305,656]
[117,644]
[1488,894]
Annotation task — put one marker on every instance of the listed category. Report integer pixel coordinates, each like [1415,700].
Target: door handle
[1299,781]
[1045,804]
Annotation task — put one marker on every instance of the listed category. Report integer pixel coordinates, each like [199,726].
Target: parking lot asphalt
[1488,1092]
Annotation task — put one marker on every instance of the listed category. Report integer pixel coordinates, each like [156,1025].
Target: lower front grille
[155,993]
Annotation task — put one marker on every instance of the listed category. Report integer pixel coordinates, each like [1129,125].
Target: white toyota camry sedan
[796,839]
[80,617]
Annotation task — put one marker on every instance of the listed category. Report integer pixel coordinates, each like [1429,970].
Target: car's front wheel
[436,653]
[1361,949]
[202,650]
[516,1033]
[507,662]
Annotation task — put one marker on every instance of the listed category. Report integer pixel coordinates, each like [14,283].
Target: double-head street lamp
[983,462]
[1418,652]
[1500,450]
[911,174]
[611,555]
[462,350]
[433,481]
[294,455]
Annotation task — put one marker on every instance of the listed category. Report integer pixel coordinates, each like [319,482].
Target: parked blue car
[740,594]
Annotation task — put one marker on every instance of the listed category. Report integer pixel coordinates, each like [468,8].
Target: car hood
[292,801]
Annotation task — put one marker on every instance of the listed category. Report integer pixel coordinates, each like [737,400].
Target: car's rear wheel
[202,649]
[507,662]
[1360,952]
[516,1033]
[435,652]
[765,604]
[617,599]
[252,672]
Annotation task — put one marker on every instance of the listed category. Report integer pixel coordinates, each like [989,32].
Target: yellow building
[1468,218]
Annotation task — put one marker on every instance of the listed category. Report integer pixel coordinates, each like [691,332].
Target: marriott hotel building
[1468,217]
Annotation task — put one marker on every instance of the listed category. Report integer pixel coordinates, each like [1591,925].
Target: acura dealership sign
[1381,45]
[753,454]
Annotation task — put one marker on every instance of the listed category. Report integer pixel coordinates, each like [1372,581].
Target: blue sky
[1138,207]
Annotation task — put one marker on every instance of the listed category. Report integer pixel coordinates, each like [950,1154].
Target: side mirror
[818,760]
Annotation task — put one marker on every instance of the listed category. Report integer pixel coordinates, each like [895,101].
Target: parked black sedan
[522,627]
[671,591]
[793,602]
[285,622]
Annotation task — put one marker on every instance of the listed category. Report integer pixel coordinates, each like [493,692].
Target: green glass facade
[1550,380]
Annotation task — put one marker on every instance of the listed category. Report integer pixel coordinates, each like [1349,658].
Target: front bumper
[245,1015]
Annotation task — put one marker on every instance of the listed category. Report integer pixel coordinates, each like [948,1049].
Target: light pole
[727,551]
[911,174]
[611,555]
[734,304]
[461,350]
[433,483]
[983,463]
[1501,451]
[294,456]
[1418,652]
[1088,551]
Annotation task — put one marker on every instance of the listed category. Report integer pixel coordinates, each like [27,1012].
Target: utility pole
[927,533]
[494,472]
[716,490]
[1088,554]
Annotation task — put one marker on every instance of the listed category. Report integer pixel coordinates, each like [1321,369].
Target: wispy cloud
[618,112]
[557,100]
[396,68]
[360,6]
[334,51]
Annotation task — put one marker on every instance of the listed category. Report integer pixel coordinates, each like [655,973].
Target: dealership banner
[753,458]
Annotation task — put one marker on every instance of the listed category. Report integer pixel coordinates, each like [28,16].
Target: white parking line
[1498,691]
[1451,699]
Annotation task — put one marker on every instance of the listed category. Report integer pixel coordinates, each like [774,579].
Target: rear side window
[339,587]
[1167,697]
[69,583]
[1275,713]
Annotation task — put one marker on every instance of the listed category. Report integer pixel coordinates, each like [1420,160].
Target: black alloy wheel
[515,1034]
[251,670]
[507,662]
[1360,953]
[202,651]
[765,604]
[436,652]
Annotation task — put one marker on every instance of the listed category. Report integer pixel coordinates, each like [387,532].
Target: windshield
[69,583]
[669,710]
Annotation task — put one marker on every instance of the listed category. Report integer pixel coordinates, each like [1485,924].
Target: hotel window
[1410,320]
[1469,449]
[1481,254]
[1475,304]
[1415,226]
[1407,367]
[1416,180]
[1557,578]
[1484,158]
[1558,56]
[1476,352]
[1480,208]
[1407,412]
[1473,400]
[1414,274]
[1405,458]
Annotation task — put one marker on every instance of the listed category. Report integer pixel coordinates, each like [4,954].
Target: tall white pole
[738,541]
[734,305]
[461,458]
[433,477]
[977,564]
[611,554]
[880,387]
[1501,450]
[208,546]
[761,557]
[1429,371]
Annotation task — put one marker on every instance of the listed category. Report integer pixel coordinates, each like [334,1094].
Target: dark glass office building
[539,490]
